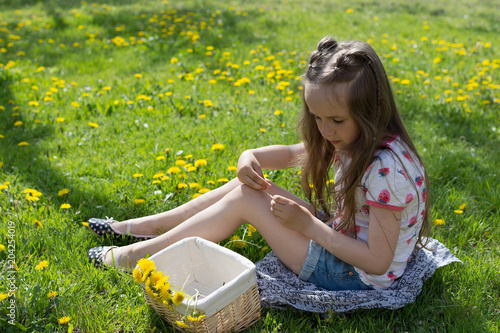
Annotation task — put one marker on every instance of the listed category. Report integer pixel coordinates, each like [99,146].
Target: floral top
[387,184]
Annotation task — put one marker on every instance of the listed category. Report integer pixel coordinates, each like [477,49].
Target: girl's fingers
[252,183]
[262,183]
[280,199]
[255,182]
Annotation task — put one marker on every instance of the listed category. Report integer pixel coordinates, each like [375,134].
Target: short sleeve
[386,184]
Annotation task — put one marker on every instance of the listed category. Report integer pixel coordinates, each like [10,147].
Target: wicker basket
[225,280]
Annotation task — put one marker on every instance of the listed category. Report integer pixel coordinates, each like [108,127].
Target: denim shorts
[328,272]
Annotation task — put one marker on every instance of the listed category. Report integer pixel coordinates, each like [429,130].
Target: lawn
[126,108]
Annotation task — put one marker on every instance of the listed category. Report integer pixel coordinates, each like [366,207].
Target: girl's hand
[291,214]
[250,172]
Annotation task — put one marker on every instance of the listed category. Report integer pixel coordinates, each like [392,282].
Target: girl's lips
[335,142]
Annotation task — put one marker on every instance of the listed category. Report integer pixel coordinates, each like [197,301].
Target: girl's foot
[113,229]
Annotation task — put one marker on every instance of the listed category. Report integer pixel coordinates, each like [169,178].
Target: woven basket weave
[240,314]
[225,281]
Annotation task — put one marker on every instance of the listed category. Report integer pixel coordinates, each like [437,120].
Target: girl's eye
[338,121]
[317,118]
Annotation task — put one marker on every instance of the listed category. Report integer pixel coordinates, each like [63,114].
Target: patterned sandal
[96,256]
[103,228]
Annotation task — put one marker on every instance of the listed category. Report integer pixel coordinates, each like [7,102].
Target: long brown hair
[352,69]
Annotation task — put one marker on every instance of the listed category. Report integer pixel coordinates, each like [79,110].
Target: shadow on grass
[159,34]
[29,164]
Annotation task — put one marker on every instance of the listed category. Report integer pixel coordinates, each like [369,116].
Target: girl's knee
[249,196]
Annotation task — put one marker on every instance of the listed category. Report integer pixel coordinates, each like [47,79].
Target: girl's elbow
[380,268]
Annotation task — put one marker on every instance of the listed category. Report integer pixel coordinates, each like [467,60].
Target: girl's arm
[374,256]
[252,161]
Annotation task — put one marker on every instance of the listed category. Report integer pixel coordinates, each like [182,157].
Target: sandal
[103,228]
[96,256]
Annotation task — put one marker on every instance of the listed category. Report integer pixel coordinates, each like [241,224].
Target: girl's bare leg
[218,221]
[162,222]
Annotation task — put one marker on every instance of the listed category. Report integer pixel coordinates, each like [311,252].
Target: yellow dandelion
[158,175]
[42,264]
[177,298]
[59,120]
[137,275]
[150,291]
[139,201]
[30,197]
[63,192]
[204,190]
[52,294]
[196,318]
[165,292]
[200,162]
[65,206]
[438,222]
[2,247]
[349,11]
[146,266]
[23,143]
[64,320]
[217,146]
[174,170]
[180,162]
[154,278]
[180,323]
[222,180]
[462,206]
[237,241]
[33,192]
[37,223]
[161,158]
[232,168]
[94,125]
[181,185]
[138,75]
[458,211]
[137,175]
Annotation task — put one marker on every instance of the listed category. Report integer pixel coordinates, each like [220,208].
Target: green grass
[61,68]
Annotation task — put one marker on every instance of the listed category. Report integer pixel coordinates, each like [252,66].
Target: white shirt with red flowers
[395,181]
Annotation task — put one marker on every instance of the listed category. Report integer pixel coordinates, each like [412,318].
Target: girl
[350,121]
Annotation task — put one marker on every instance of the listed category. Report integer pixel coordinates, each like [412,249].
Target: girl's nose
[326,130]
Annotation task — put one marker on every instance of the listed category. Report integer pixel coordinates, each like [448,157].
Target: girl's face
[333,118]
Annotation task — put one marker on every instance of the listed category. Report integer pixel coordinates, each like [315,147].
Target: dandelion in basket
[157,286]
